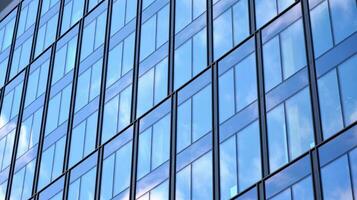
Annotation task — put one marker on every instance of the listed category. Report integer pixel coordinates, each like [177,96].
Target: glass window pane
[342,13]
[348,82]
[330,107]
[299,123]
[336,180]
[321,30]
[293,49]
[277,138]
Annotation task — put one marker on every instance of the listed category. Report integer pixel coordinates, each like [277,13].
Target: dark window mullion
[215,133]
[262,106]
[312,72]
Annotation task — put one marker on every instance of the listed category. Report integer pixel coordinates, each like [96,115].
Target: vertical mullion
[99,172]
[251,5]
[136,62]
[312,72]
[17,133]
[210,57]
[215,133]
[173,138]
[44,119]
[67,177]
[261,190]
[316,176]
[134,160]
[262,107]
[171,60]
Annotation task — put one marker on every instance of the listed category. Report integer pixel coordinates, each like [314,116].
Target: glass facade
[178,99]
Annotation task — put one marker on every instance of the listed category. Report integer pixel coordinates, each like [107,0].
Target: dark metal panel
[262,107]
[210,31]
[261,190]
[134,161]
[171,59]
[215,133]
[252,16]
[316,177]
[99,173]
[172,178]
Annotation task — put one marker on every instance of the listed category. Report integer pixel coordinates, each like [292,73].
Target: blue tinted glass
[228,168]
[147,44]
[321,30]
[230,27]
[303,189]
[116,171]
[240,21]
[222,34]
[353,168]
[246,83]
[248,148]
[161,191]
[51,162]
[144,153]
[116,113]
[122,171]
[272,63]
[64,59]
[265,10]
[293,49]
[184,128]
[47,33]
[240,161]
[183,18]
[6,30]
[202,179]
[330,107]
[336,180]
[162,26]
[299,123]
[183,183]
[201,118]
[146,91]
[94,33]
[83,187]
[226,94]
[22,182]
[183,64]
[161,141]
[73,11]
[342,13]
[154,146]
[277,138]
[347,72]
[92,4]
